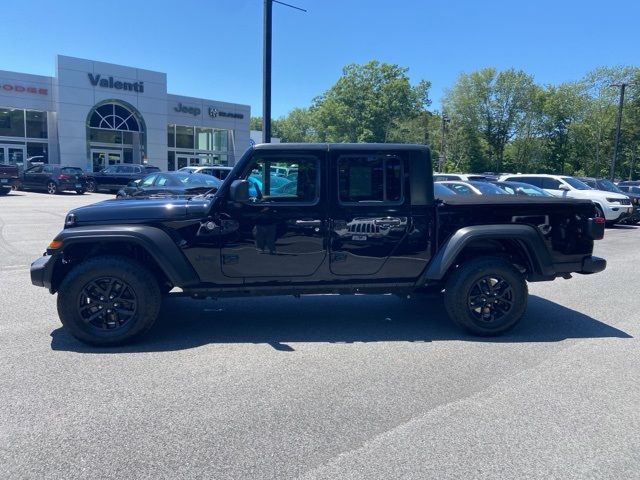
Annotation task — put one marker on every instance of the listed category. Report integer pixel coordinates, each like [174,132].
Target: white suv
[612,206]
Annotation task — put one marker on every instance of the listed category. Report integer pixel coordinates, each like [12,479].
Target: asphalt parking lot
[323,386]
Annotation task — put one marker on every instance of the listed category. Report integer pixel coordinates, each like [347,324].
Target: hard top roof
[341,146]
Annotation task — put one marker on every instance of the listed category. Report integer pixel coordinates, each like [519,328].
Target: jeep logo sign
[195,111]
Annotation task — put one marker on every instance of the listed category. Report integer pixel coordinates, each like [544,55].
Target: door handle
[387,222]
[308,223]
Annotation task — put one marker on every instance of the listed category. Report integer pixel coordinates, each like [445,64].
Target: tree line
[490,120]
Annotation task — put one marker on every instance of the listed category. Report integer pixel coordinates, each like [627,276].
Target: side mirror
[564,188]
[239,191]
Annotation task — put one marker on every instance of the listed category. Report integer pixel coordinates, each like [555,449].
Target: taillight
[600,220]
[64,177]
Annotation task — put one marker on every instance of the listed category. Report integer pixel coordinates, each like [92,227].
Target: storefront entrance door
[14,154]
[103,158]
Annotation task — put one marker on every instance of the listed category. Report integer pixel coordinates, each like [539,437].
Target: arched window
[112,116]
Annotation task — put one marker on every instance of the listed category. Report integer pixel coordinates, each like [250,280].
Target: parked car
[54,179]
[608,186]
[165,184]
[479,254]
[114,177]
[218,171]
[614,207]
[9,177]
[473,188]
[519,188]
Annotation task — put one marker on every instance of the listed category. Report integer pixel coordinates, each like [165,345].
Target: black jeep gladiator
[357,218]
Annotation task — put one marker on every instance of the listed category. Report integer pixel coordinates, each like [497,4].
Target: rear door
[370,210]
[30,178]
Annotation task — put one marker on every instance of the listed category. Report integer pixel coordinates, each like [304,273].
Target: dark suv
[114,177]
[54,179]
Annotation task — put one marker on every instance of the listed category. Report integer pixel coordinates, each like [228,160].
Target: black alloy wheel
[486,295]
[107,303]
[490,299]
[52,188]
[91,186]
[109,300]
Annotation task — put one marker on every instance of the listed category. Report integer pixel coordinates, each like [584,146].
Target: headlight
[614,200]
[70,220]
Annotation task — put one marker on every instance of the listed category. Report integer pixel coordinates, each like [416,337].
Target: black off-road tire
[72,295]
[490,313]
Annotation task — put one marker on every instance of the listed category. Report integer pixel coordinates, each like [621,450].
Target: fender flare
[526,235]
[156,242]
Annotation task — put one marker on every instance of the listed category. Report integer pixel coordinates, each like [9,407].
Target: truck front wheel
[108,300]
[487,296]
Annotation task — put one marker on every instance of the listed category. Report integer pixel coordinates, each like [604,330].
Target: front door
[370,211]
[281,232]
[13,154]
[104,158]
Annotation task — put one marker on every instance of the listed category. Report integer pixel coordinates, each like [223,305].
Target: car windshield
[608,186]
[200,180]
[440,191]
[488,188]
[577,184]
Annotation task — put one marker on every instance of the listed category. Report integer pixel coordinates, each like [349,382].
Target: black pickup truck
[9,176]
[360,218]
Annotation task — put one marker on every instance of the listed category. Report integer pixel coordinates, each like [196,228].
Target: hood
[595,194]
[136,211]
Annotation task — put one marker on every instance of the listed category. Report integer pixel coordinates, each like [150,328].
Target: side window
[162,181]
[111,169]
[551,183]
[47,169]
[137,170]
[148,181]
[266,185]
[461,189]
[535,181]
[37,169]
[370,178]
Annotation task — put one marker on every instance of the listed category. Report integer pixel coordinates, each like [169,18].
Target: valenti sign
[98,80]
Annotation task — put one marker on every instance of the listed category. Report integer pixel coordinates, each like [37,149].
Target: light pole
[266,68]
[618,121]
[443,143]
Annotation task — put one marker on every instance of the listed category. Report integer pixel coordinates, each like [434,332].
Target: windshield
[577,184]
[440,191]
[488,188]
[608,186]
[200,180]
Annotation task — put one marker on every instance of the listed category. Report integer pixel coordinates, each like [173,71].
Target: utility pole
[266,67]
[618,121]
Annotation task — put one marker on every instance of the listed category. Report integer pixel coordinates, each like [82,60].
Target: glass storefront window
[105,136]
[221,140]
[11,122]
[184,136]
[204,138]
[36,124]
[171,136]
[38,150]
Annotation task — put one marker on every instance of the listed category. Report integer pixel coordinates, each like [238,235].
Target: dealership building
[94,114]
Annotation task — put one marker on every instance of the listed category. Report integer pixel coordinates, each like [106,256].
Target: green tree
[367,103]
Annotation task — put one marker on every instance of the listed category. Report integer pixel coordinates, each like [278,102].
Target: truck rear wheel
[108,301]
[487,296]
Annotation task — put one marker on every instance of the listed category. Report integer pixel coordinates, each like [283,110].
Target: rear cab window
[370,178]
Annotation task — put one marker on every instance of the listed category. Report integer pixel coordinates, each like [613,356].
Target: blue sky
[213,48]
